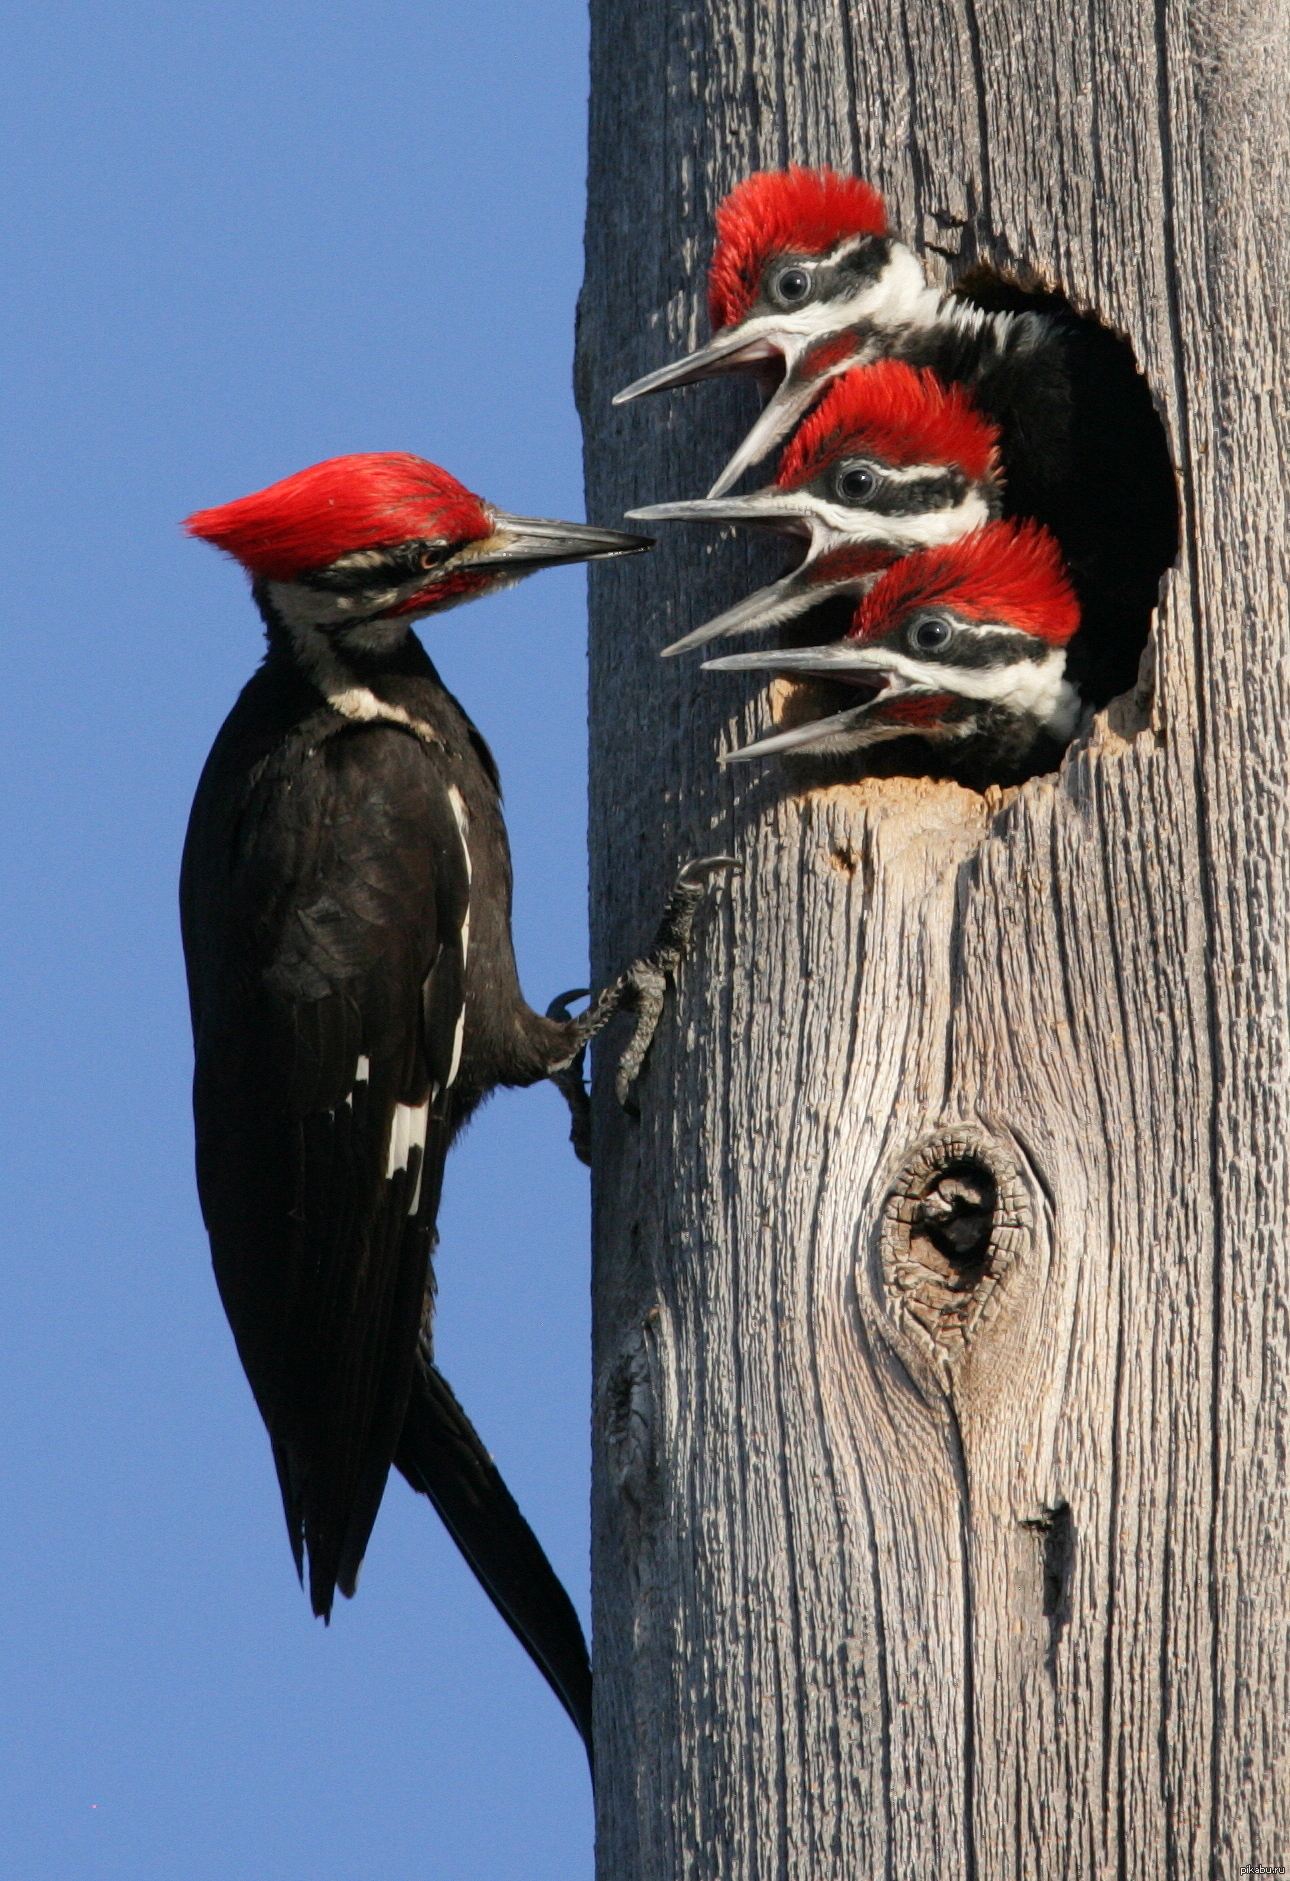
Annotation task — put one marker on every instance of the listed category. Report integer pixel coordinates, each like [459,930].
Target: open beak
[868,668]
[782,601]
[803,737]
[731,351]
[824,571]
[738,351]
[527,543]
[780,510]
[790,401]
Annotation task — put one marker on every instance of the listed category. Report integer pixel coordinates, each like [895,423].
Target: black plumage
[441,1455]
[324,892]
[1084,453]
[346,906]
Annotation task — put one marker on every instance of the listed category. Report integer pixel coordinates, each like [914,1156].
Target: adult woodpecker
[346,900]
[807,282]
[890,460]
[963,646]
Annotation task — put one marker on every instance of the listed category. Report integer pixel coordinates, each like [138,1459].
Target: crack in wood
[1056,1528]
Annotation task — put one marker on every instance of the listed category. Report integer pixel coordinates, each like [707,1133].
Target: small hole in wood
[1056,1527]
[629,1416]
[956,1218]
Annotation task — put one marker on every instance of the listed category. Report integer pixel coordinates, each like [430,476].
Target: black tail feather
[441,1455]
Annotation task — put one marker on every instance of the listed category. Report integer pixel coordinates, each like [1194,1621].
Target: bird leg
[641,988]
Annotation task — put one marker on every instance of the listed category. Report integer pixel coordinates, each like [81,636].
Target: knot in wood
[955,1219]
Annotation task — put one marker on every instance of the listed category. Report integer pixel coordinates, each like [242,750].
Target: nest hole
[1115,512]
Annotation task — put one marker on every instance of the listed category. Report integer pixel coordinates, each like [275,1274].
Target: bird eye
[856,483]
[793,286]
[930,633]
[432,554]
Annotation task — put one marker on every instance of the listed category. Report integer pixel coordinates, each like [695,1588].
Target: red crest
[802,212]
[308,521]
[1008,572]
[897,414]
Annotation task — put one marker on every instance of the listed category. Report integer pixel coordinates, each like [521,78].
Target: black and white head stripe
[980,626]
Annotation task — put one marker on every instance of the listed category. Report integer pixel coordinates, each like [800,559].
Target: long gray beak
[527,543]
[787,403]
[817,731]
[799,736]
[782,601]
[781,510]
[835,660]
[727,352]
[772,508]
[824,571]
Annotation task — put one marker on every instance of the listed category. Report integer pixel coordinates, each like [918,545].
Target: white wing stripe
[458,803]
[407,1132]
[362,1075]
[457,1037]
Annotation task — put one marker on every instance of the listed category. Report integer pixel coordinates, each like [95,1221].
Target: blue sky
[238,240]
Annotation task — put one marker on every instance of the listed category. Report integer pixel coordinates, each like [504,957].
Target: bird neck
[352,672]
[903,296]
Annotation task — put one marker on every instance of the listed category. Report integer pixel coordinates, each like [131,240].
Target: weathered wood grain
[890,1581]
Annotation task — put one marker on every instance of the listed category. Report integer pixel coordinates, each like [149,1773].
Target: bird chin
[380,634]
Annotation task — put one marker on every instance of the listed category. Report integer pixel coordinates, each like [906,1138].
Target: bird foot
[641,989]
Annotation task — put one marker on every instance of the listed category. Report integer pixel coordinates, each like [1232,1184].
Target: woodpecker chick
[346,904]
[891,460]
[962,645]
[804,283]
[807,282]
[790,247]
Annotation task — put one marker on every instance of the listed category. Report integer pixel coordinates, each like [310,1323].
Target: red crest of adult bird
[346,898]
[808,282]
[963,645]
[890,460]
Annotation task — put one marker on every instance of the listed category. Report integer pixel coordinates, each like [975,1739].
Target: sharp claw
[703,866]
[644,985]
[568,1078]
[559,1007]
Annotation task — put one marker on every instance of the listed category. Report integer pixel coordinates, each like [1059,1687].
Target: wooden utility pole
[906,1566]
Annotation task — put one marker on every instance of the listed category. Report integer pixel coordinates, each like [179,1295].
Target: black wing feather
[330,886]
[1086,453]
[442,1455]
